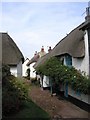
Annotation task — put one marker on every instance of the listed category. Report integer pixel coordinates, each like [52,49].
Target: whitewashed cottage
[11,55]
[74,50]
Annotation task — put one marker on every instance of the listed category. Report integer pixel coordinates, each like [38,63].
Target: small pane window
[68,59]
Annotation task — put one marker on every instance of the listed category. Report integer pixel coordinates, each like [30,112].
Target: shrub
[14,92]
[58,72]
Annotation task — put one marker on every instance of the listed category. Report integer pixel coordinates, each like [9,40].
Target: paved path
[55,107]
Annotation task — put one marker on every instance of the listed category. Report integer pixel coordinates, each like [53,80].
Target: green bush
[14,92]
[53,68]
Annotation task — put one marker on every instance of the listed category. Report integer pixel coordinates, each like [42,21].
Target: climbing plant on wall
[53,68]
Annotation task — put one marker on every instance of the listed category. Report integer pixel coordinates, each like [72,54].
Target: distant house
[11,55]
[25,67]
[44,81]
[31,63]
[33,60]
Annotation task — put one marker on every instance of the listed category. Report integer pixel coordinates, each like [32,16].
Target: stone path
[55,107]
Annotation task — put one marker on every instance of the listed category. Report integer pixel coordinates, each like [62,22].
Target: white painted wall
[32,71]
[83,63]
[46,82]
[82,97]
[13,70]
[25,67]
[19,69]
[16,70]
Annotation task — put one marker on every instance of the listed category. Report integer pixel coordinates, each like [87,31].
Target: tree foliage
[53,68]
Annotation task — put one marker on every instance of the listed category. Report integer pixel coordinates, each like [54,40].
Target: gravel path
[55,107]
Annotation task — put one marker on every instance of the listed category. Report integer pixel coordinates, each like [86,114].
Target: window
[68,60]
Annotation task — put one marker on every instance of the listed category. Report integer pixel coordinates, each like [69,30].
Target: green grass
[31,111]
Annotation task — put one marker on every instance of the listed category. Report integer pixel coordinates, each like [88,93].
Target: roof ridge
[69,33]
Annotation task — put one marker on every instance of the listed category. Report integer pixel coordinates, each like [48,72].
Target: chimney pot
[35,53]
[49,49]
[42,49]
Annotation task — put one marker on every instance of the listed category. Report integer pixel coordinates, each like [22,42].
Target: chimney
[35,53]
[42,49]
[87,18]
[49,49]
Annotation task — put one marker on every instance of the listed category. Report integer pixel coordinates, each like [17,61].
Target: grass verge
[29,111]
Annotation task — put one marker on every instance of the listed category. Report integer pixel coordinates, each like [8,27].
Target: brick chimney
[49,49]
[35,53]
[42,49]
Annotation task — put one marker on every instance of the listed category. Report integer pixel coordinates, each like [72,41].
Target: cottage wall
[13,70]
[32,71]
[83,63]
[78,95]
[19,69]
[46,82]
[25,67]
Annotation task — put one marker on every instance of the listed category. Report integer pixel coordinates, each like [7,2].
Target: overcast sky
[36,24]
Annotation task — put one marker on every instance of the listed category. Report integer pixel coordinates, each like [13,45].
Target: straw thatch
[11,54]
[73,44]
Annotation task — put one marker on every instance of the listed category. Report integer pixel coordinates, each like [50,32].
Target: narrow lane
[54,106]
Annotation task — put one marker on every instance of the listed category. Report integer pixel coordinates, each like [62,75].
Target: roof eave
[85,26]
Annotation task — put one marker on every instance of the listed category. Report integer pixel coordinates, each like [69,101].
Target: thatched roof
[86,25]
[34,59]
[11,54]
[72,44]
[37,56]
[42,59]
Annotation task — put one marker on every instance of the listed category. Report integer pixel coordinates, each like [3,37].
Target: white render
[19,69]
[13,70]
[82,64]
[82,97]
[16,70]
[25,67]
[32,71]
[46,82]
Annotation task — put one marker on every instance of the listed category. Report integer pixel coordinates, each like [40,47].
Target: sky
[36,24]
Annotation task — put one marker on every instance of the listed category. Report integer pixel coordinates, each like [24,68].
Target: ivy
[53,68]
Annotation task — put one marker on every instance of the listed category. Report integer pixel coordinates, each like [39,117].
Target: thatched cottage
[11,54]
[74,50]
